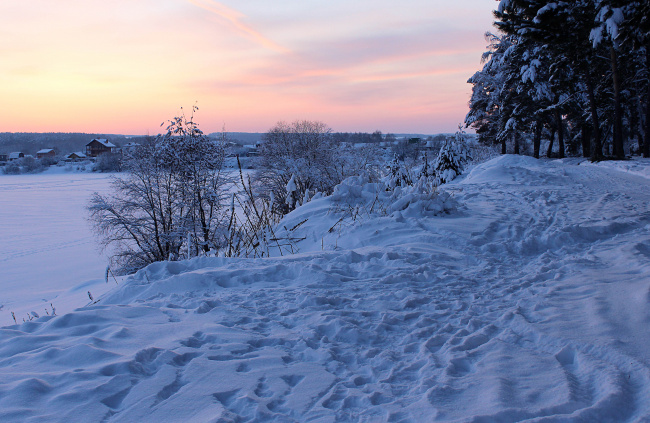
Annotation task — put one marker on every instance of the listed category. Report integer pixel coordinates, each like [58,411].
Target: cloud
[339,64]
[235,19]
[409,75]
[387,46]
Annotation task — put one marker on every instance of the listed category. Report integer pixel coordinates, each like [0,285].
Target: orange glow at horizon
[127,66]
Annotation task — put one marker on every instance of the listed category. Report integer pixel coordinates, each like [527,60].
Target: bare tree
[170,203]
[109,162]
[306,150]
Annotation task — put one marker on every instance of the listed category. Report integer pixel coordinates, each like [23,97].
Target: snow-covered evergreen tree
[487,87]
[562,30]
[451,160]
[398,174]
[579,70]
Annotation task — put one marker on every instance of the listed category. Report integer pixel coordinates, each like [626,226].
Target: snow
[543,10]
[614,22]
[634,167]
[596,36]
[527,300]
[609,24]
[47,251]
[291,185]
[105,142]
[529,72]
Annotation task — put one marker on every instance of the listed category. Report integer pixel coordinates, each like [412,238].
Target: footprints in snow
[268,394]
[149,363]
[373,364]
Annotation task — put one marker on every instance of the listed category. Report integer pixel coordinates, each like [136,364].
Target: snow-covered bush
[480,153]
[451,160]
[251,232]
[32,165]
[24,165]
[307,152]
[360,196]
[399,174]
[173,187]
[421,199]
[291,188]
[11,168]
[48,161]
[108,162]
[449,163]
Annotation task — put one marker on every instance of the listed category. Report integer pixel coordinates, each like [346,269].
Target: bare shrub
[307,151]
[108,162]
[170,203]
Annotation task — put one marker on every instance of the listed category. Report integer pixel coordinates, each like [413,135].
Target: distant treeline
[376,137]
[349,137]
[63,143]
[68,142]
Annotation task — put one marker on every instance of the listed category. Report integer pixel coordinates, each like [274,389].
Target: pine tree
[451,160]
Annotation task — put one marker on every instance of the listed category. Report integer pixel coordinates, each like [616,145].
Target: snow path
[531,303]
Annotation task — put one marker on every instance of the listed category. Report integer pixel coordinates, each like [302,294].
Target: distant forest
[63,143]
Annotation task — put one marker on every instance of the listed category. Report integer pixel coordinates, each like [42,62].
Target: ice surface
[47,250]
[527,300]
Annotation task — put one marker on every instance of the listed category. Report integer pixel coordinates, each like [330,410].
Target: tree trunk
[596,146]
[636,122]
[549,150]
[516,141]
[503,145]
[618,123]
[538,139]
[646,137]
[586,140]
[639,138]
[560,134]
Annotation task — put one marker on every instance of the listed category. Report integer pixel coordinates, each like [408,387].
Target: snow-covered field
[530,301]
[47,251]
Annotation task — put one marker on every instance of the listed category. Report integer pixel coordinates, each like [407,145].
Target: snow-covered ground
[47,251]
[527,300]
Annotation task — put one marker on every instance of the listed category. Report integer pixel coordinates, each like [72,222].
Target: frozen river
[47,249]
[48,253]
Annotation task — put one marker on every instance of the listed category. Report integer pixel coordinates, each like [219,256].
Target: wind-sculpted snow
[529,300]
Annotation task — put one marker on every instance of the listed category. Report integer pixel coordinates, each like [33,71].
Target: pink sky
[125,66]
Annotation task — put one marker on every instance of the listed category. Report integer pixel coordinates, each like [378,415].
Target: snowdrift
[518,292]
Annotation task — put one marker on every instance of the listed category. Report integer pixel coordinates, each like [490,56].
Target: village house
[75,157]
[3,157]
[432,146]
[100,146]
[16,155]
[46,152]
[250,150]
